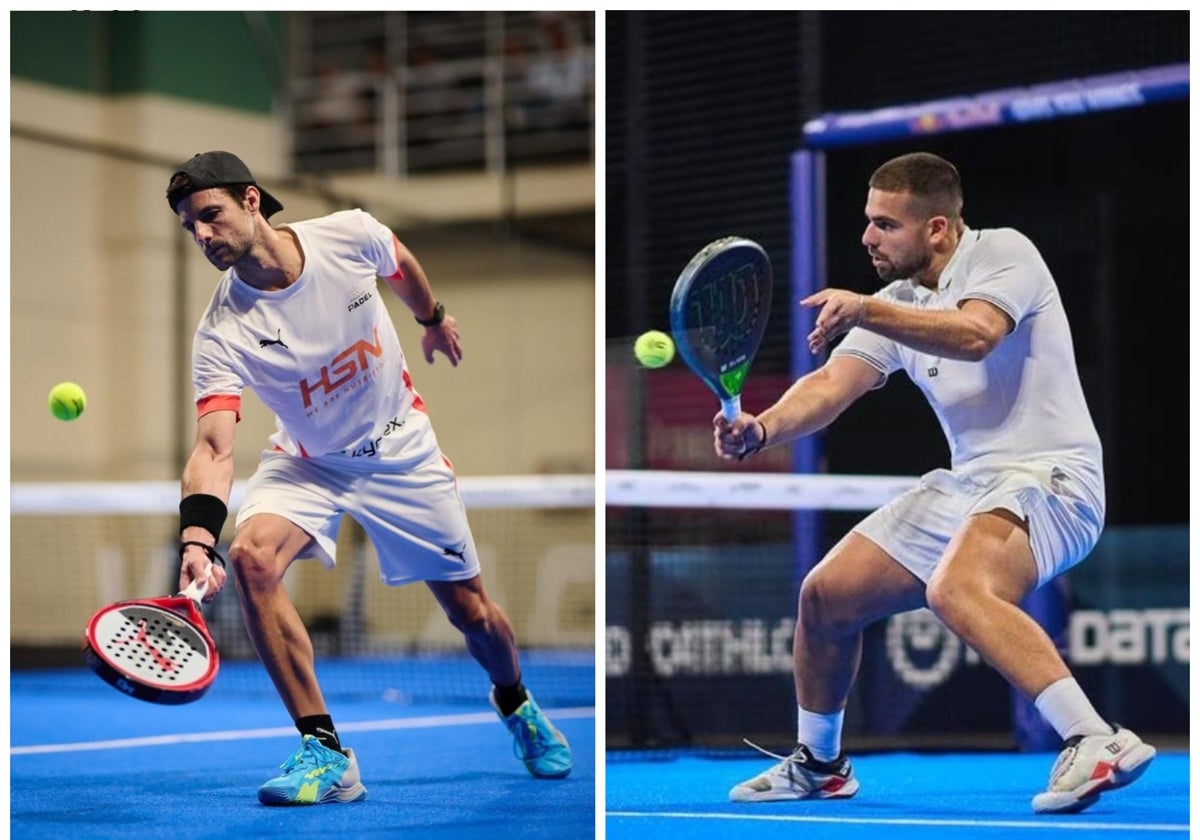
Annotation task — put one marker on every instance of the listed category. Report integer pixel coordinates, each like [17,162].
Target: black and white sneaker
[798,776]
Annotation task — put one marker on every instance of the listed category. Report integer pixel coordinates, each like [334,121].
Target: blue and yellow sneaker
[544,749]
[315,774]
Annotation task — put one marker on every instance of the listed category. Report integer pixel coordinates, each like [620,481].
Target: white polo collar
[920,292]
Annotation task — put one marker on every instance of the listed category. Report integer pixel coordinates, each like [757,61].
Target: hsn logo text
[344,367]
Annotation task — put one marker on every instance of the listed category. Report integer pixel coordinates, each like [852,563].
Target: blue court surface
[904,796]
[88,762]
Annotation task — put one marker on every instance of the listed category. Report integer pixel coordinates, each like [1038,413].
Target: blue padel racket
[155,649]
[719,312]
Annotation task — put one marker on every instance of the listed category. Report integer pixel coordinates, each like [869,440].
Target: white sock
[822,734]
[1065,707]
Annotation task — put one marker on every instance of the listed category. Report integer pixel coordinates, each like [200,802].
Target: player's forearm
[209,472]
[411,285]
[806,407]
[950,333]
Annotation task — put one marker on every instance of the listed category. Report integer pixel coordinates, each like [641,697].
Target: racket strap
[761,444]
[213,555]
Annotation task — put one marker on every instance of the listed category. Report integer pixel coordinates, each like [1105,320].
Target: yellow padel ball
[654,349]
[67,401]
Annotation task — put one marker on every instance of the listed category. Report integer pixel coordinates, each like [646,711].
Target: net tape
[759,491]
[162,497]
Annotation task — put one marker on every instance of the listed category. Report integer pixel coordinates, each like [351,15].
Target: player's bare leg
[488,632]
[855,585]
[321,770]
[986,572]
[262,550]
[491,640]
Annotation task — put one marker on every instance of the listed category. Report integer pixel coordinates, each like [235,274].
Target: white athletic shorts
[415,519]
[1065,514]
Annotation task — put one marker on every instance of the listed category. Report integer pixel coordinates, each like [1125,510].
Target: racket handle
[731,408]
[195,590]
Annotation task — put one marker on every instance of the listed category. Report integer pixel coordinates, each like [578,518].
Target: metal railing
[423,92]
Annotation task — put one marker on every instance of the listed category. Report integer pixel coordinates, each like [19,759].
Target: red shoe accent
[1102,769]
[834,785]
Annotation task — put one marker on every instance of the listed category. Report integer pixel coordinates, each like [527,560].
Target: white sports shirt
[1024,400]
[322,354]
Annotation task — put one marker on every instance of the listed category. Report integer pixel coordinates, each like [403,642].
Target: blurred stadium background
[470,134]
[705,113]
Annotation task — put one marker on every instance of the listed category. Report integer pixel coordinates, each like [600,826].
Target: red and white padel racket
[155,649]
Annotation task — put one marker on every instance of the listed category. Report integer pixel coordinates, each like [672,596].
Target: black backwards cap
[218,169]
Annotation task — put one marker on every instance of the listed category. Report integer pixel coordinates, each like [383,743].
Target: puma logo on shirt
[267,342]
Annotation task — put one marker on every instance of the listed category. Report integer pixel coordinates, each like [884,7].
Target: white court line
[431,722]
[1032,823]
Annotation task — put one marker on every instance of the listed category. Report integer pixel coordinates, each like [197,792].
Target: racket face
[719,312]
[150,652]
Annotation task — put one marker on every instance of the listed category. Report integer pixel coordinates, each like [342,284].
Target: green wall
[59,48]
[230,59]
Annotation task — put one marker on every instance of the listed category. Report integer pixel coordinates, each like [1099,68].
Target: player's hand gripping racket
[719,312]
[155,649]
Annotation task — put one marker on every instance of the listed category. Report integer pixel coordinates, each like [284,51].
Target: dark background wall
[703,111]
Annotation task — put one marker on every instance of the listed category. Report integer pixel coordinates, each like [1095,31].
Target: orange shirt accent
[278,448]
[220,402]
[418,403]
[399,275]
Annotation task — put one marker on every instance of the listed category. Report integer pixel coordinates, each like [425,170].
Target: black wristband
[439,315]
[213,556]
[204,511]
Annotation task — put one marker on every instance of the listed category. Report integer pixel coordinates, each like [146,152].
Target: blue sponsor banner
[711,662]
[1002,107]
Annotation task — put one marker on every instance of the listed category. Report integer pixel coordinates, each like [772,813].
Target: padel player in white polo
[975,320]
[1016,421]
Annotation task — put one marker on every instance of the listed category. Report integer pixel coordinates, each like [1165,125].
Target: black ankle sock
[321,728]
[510,698]
[819,765]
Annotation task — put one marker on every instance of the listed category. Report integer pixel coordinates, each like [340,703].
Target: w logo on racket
[719,311]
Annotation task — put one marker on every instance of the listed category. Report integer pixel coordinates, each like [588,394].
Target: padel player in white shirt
[323,355]
[323,352]
[297,318]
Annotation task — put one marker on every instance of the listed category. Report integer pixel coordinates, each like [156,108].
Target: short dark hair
[182,182]
[931,180]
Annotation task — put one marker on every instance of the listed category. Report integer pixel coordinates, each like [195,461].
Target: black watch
[439,315]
